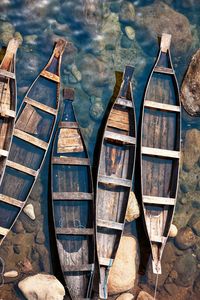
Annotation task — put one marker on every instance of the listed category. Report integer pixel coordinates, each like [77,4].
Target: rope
[156,286]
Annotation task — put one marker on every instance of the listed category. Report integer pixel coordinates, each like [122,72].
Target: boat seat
[104,261]
[162,106]
[4,231]
[4,152]
[65,124]
[11,201]
[50,75]
[119,137]
[124,102]
[160,152]
[41,106]
[21,168]
[72,196]
[7,74]
[110,224]
[30,139]
[158,200]
[79,268]
[114,180]
[75,231]
[7,113]
[164,70]
[64,160]
[157,239]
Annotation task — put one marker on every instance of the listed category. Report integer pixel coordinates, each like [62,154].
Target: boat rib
[114,180]
[160,151]
[32,135]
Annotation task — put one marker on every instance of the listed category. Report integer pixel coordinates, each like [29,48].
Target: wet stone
[194,223]
[127,12]
[130,32]
[191,148]
[186,268]
[18,227]
[185,238]
[16,249]
[40,237]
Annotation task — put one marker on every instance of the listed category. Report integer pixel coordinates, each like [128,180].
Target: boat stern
[156,266]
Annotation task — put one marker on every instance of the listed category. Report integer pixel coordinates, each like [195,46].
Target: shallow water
[100,48]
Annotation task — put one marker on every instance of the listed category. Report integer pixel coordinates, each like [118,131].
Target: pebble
[11,274]
[173,231]
[130,32]
[29,211]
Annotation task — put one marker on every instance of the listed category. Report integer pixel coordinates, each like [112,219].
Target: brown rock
[190,90]
[133,210]
[122,275]
[144,296]
[185,238]
[125,296]
[191,148]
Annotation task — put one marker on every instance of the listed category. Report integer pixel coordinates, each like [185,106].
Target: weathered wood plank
[72,196]
[104,261]
[4,231]
[30,139]
[119,137]
[165,42]
[110,224]
[21,168]
[10,200]
[7,113]
[63,160]
[3,152]
[68,124]
[75,231]
[162,106]
[158,200]
[41,106]
[157,239]
[7,74]
[124,102]
[79,268]
[50,76]
[114,180]
[164,70]
[160,152]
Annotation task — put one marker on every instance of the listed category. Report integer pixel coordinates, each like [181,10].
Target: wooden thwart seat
[75,231]
[68,124]
[79,268]
[41,106]
[4,231]
[162,106]
[124,102]
[115,181]
[160,152]
[157,239]
[158,200]
[11,201]
[30,139]
[110,224]
[119,137]
[104,261]
[7,113]
[7,74]
[21,168]
[3,152]
[63,160]
[50,76]
[163,70]
[72,196]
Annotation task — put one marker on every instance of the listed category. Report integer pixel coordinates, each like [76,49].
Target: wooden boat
[114,179]
[8,101]
[73,205]
[32,135]
[160,151]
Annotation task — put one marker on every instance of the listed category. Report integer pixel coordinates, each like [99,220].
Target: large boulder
[42,286]
[190,89]
[185,238]
[122,276]
[191,148]
[159,17]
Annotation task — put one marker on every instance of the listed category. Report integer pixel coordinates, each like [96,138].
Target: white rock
[29,211]
[11,274]
[125,296]
[122,274]
[42,287]
[173,231]
[133,210]
[130,32]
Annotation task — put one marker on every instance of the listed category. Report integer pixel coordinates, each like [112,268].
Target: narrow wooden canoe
[73,204]
[114,180]
[8,102]
[32,136]
[160,151]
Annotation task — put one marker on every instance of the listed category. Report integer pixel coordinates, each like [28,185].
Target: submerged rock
[144,296]
[29,211]
[133,210]
[122,276]
[185,238]
[111,31]
[191,148]
[186,268]
[127,12]
[190,89]
[42,286]
[130,32]
[125,296]
[96,109]
[76,73]
[159,17]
